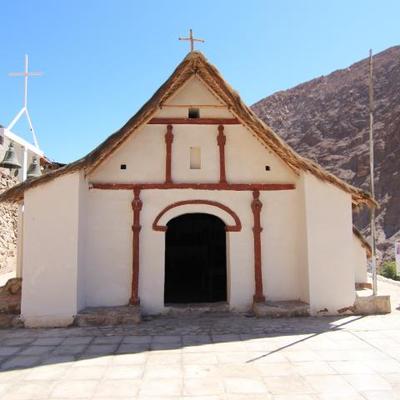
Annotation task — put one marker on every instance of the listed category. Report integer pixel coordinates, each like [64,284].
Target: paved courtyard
[208,357]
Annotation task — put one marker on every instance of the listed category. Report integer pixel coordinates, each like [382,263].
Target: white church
[193,201]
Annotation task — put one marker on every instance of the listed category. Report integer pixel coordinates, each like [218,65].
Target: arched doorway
[195,259]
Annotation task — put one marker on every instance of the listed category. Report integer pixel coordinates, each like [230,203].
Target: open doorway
[195,259]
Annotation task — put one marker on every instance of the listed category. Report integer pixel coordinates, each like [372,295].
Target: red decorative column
[256,207]
[221,140]
[169,138]
[136,207]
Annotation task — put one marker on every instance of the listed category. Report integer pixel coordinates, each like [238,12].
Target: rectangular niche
[195,158]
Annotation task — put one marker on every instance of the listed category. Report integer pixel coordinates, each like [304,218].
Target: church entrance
[195,259]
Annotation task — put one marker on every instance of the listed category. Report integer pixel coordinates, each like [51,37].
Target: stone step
[277,309]
[368,304]
[196,308]
[102,316]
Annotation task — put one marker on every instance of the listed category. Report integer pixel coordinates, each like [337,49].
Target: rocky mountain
[326,119]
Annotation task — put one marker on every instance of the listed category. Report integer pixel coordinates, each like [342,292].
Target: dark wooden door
[195,259]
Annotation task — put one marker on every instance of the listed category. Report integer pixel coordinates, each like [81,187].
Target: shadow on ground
[28,348]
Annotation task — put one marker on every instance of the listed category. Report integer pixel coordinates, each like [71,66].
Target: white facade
[50,253]
[360,261]
[78,239]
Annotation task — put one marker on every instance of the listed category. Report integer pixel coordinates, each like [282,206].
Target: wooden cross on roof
[192,40]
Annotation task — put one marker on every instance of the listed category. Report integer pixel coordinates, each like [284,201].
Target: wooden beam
[195,186]
[194,106]
[221,140]
[194,121]
[169,138]
[256,207]
[136,227]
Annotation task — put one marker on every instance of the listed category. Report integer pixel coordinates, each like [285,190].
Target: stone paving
[207,357]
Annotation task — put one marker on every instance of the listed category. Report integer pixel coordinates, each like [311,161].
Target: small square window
[194,113]
[267,168]
[195,158]
[123,166]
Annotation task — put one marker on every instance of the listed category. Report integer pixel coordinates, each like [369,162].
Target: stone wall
[8,227]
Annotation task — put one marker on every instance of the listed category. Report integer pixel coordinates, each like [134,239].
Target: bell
[10,159]
[34,169]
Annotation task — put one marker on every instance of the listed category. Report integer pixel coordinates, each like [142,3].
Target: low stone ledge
[10,321]
[102,316]
[279,309]
[369,305]
[195,308]
[47,321]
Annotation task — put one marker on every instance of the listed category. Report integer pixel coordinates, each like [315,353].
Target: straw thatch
[195,64]
[363,241]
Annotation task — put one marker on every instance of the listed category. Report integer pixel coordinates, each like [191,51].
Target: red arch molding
[228,228]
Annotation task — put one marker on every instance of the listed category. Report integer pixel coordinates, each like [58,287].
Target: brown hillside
[326,119]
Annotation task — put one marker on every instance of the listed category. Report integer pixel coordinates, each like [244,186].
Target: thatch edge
[16,193]
[363,241]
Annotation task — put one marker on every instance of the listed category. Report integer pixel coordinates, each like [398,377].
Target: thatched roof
[195,64]
[363,241]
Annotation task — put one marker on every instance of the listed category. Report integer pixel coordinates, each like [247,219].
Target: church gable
[193,66]
[195,152]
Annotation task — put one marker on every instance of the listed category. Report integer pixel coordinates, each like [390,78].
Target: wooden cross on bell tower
[192,40]
[24,110]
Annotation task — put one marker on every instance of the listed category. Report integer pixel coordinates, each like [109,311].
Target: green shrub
[389,270]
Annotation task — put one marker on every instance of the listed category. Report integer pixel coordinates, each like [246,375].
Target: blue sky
[103,59]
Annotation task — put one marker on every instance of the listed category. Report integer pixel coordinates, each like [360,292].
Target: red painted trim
[169,138]
[196,186]
[221,140]
[136,227]
[256,207]
[229,228]
[194,121]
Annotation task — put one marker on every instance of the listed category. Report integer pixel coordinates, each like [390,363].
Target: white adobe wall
[82,241]
[108,250]
[282,260]
[144,155]
[50,254]
[302,242]
[360,261]
[330,249]
[109,246]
